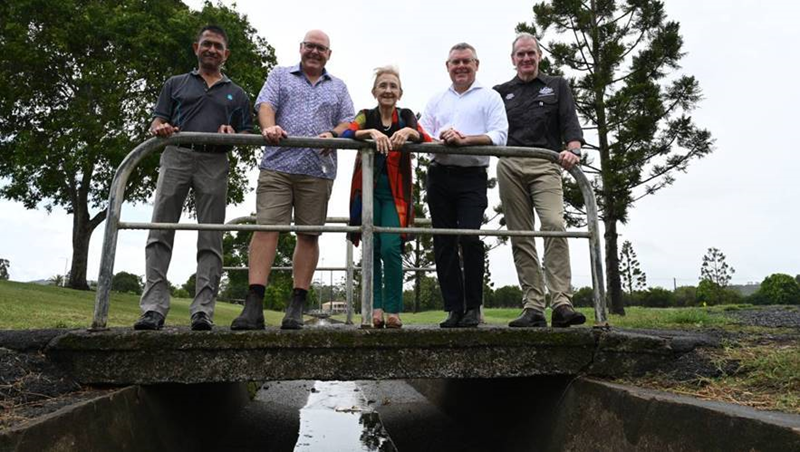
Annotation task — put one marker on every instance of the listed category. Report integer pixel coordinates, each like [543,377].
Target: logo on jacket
[546,91]
[509,96]
[230,96]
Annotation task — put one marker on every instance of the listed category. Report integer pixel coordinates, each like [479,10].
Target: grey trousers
[207,175]
[527,184]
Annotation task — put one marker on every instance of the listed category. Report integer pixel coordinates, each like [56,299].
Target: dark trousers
[457,200]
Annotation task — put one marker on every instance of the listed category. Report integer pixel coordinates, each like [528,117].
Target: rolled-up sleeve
[270,92]
[570,126]
[497,122]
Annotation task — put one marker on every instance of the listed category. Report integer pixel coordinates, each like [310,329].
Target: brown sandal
[394,321]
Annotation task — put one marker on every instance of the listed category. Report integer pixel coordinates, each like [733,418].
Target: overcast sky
[741,199]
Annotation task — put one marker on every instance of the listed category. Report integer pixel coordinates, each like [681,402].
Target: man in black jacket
[541,113]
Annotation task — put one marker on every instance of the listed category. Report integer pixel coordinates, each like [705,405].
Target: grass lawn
[759,366]
[31,306]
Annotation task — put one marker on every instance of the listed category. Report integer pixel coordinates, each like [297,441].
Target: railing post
[367,225]
[349,285]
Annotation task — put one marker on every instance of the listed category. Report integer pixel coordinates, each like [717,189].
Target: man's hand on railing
[226,129]
[567,159]
[452,137]
[273,134]
[163,130]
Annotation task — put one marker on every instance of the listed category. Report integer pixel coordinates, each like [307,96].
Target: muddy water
[337,417]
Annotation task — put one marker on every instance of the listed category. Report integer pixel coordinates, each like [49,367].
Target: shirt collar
[225,79]
[475,85]
[541,77]
[297,69]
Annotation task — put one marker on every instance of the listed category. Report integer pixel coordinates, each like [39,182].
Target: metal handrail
[367,229]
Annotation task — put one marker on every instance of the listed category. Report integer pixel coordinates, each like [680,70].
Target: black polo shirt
[541,113]
[189,104]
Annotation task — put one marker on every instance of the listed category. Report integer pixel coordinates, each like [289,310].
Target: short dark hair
[216,29]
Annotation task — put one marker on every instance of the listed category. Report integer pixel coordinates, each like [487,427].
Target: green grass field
[768,374]
[32,306]
[29,306]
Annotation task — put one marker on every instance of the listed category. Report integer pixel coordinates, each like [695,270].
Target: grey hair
[525,35]
[465,46]
[388,69]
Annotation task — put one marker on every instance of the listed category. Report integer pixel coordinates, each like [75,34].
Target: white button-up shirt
[477,111]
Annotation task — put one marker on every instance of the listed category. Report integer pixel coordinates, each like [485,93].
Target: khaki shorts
[278,193]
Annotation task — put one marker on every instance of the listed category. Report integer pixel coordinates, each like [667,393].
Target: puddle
[338,418]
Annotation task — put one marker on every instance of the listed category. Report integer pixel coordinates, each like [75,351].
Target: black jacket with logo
[541,113]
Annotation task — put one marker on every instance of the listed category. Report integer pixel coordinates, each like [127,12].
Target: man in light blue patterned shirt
[302,100]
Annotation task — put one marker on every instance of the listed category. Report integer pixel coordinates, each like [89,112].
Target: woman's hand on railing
[382,143]
[400,137]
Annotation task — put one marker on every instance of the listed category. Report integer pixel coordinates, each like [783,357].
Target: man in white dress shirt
[466,114]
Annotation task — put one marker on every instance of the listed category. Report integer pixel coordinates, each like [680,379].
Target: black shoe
[453,317]
[293,320]
[201,322]
[470,319]
[150,320]
[529,318]
[252,316]
[564,316]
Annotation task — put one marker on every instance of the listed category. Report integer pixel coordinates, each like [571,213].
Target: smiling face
[387,90]
[315,51]
[526,58]
[462,66]
[211,51]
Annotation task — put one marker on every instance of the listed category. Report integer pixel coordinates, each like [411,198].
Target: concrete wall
[157,418]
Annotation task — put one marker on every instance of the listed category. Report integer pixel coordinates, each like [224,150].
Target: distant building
[334,307]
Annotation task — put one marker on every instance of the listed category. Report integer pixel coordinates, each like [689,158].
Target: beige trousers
[534,184]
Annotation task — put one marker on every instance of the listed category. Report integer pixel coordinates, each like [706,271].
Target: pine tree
[633,278]
[715,269]
[620,59]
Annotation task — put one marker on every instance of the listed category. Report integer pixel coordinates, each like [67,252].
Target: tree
[507,297]
[78,79]
[127,283]
[419,250]
[715,269]
[633,278]
[4,266]
[235,284]
[685,296]
[780,288]
[621,58]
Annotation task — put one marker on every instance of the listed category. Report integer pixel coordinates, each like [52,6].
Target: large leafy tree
[78,79]
[621,59]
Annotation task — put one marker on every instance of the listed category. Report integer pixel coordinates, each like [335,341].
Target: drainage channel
[338,417]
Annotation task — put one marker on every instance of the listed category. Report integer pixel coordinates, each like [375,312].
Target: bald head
[315,50]
[318,36]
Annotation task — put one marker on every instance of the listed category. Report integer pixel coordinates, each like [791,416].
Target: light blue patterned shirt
[303,109]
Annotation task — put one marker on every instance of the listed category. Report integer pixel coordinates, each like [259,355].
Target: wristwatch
[576,151]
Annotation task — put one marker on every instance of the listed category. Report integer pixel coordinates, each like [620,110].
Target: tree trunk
[81,233]
[417,275]
[613,280]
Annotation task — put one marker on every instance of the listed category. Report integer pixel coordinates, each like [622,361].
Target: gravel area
[769,316]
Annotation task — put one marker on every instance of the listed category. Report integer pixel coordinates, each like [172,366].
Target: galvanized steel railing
[367,229]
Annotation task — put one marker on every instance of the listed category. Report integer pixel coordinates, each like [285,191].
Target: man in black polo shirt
[204,100]
[541,113]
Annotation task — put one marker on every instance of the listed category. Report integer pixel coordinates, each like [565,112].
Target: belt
[458,169]
[207,148]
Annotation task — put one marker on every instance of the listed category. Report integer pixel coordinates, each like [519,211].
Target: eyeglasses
[314,46]
[464,61]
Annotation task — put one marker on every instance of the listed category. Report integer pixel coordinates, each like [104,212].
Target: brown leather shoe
[377,318]
[393,321]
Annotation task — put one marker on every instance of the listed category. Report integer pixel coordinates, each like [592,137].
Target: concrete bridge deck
[341,352]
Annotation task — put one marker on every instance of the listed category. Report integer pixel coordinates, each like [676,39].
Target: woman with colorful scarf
[390,128]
